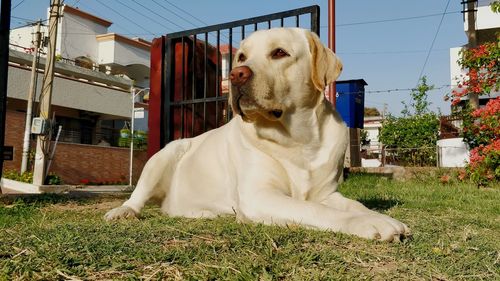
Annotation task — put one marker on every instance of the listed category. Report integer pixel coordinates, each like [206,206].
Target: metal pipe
[132,93]
[132,117]
[331,44]
[31,97]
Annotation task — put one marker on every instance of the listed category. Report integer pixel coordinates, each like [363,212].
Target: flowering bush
[482,64]
[482,133]
[481,127]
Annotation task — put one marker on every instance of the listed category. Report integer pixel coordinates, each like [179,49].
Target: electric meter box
[39,126]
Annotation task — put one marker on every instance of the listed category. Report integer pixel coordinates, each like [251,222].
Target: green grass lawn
[456,236]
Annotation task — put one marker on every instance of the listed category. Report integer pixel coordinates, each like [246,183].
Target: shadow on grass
[379,204]
[47,199]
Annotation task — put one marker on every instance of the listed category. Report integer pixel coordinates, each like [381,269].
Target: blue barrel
[351,102]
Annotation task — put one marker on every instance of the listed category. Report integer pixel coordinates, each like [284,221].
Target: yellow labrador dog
[278,160]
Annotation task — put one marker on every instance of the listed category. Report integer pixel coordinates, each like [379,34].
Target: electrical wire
[154,12]
[433,41]
[126,18]
[388,52]
[177,15]
[146,16]
[185,12]
[114,24]
[17,5]
[392,20]
[395,90]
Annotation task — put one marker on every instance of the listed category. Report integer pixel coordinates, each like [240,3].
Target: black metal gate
[196,64]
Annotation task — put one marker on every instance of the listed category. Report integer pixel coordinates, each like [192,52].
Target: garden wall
[76,162]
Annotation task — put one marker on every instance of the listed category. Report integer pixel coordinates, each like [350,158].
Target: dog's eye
[279,53]
[242,58]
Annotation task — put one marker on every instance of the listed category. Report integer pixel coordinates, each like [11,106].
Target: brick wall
[74,162]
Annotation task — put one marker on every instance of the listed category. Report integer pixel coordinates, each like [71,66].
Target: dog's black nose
[240,75]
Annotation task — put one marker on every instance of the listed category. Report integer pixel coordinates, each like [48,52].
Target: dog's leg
[271,206]
[154,181]
[339,202]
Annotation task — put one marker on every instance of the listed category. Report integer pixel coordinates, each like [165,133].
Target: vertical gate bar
[205,84]
[193,65]
[315,20]
[218,81]
[183,97]
[193,84]
[228,112]
[230,49]
[169,80]
[192,119]
[221,101]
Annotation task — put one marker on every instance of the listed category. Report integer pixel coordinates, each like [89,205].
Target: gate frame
[162,79]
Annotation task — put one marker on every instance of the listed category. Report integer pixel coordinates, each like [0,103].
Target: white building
[487,25]
[83,39]
[95,70]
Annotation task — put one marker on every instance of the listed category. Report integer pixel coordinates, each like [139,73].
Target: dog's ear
[326,66]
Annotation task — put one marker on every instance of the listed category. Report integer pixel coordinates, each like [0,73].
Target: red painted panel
[155,95]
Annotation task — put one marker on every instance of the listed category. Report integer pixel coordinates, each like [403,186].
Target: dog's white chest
[305,180]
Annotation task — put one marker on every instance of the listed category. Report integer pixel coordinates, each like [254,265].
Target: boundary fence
[189,87]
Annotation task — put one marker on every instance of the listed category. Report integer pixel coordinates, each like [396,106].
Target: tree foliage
[495,6]
[411,139]
[371,112]
[482,65]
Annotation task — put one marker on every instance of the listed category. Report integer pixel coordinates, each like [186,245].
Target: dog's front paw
[377,226]
[120,212]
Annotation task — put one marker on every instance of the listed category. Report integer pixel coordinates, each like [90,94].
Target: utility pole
[43,140]
[31,97]
[472,38]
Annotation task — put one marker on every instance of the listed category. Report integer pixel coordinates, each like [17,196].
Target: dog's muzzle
[240,75]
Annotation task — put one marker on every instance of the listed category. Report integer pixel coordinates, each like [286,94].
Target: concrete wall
[73,94]
[22,36]
[76,37]
[485,18]
[75,162]
[126,54]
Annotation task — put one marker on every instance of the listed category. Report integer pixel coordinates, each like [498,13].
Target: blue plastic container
[351,102]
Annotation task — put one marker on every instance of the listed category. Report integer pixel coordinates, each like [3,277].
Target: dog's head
[279,70]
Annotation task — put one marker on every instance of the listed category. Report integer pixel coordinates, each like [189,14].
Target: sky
[387,43]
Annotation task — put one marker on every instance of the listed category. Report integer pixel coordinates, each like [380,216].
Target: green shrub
[27,177]
[411,139]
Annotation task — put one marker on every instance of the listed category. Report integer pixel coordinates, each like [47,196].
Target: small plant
[26,177]
[53,179]
[364,137]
